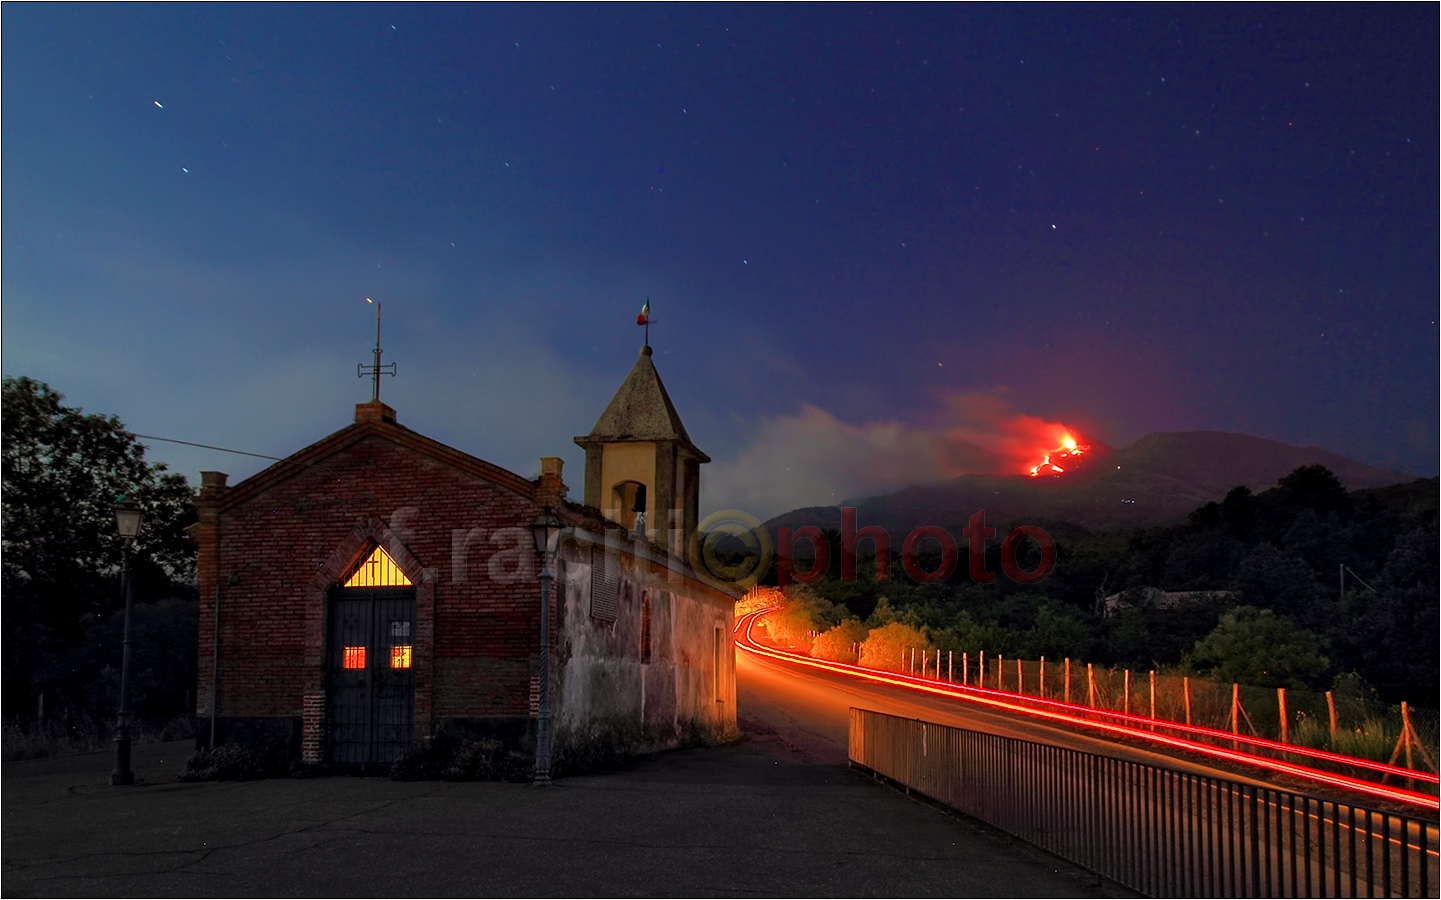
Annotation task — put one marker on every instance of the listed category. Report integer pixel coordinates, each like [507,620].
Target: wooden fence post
[1153,697]
[938,663]
[1020,679]
[1235,712]
[1090,686]
[965,667]
[1000,672]
[1043,677]
[1331,708]
[1186,688]
[1281,707]
[1068,680]
[981,670]
[951,666]
[1128,692]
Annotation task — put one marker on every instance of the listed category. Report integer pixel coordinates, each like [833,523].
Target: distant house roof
[641,411]
[1155,598]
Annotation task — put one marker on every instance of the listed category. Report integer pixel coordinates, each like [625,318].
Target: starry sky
[882,244]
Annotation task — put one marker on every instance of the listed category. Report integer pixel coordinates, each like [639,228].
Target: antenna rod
[375,391]
[376,369]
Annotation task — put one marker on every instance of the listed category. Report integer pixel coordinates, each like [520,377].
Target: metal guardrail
[1160,831]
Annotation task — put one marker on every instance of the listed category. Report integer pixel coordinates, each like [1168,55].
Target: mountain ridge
[1159,478]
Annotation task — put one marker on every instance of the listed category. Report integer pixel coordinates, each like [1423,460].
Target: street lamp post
[127,521]
[546,531]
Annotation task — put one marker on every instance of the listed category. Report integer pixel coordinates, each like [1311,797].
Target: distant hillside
[1160,478]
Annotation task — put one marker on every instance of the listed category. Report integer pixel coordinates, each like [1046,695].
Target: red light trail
[1056,711]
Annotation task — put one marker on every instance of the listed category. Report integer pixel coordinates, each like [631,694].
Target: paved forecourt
[751,818]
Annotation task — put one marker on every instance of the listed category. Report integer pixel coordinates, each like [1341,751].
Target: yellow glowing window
[378,570]
[354,658]
[400,657]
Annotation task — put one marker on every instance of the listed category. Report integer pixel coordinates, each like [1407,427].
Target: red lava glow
[1126,726]
[1068,450]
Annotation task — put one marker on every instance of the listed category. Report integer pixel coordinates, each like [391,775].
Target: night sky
[883,244]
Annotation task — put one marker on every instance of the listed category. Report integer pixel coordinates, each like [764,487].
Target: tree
[840,643]
[63,471]
[891,646]
[1257,647]
[803,614]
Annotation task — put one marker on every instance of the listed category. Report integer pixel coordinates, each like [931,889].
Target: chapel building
[378,587]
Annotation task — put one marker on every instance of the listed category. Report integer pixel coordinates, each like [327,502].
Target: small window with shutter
[604,585]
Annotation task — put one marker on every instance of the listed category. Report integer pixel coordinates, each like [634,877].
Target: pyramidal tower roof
[641,410]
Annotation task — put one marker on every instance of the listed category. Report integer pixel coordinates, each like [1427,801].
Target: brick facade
[271,548]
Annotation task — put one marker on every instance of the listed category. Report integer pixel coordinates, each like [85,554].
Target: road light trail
[1054,713]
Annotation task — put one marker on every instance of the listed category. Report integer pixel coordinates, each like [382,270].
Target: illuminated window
[400,657]
[354,657]
[378,570]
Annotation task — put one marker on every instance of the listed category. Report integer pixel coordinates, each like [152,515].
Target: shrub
[447,758]
[233,762]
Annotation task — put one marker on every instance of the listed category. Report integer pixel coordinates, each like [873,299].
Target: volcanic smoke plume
[815,459]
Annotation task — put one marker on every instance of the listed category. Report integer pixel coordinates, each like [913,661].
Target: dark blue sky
[882,243]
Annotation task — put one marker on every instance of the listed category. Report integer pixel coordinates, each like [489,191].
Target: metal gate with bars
[371,701]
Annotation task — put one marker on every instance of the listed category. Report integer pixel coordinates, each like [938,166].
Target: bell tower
[641,469]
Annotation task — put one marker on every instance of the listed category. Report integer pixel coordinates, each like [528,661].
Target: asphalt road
[811,708]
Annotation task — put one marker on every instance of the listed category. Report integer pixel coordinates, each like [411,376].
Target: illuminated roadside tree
[890,646]
[840,643]
[803,614]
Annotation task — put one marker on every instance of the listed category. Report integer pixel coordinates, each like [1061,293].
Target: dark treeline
[64,471]
[1248,589]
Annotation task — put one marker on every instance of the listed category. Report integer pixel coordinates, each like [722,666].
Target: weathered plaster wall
[605,695]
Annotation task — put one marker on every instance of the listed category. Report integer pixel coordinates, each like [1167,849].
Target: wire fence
[1348,722]
[1341,722]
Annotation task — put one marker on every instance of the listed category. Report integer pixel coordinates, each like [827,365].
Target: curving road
[810,709]
[808,705]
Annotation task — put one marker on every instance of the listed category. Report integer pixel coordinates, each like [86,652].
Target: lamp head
[128,519]
[546,530]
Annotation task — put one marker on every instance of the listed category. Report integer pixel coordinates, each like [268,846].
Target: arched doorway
[370,664]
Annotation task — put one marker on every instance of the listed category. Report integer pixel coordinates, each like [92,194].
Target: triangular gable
[377,570]
[316,455]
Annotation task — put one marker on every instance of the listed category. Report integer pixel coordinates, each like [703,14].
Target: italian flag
[644,313]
